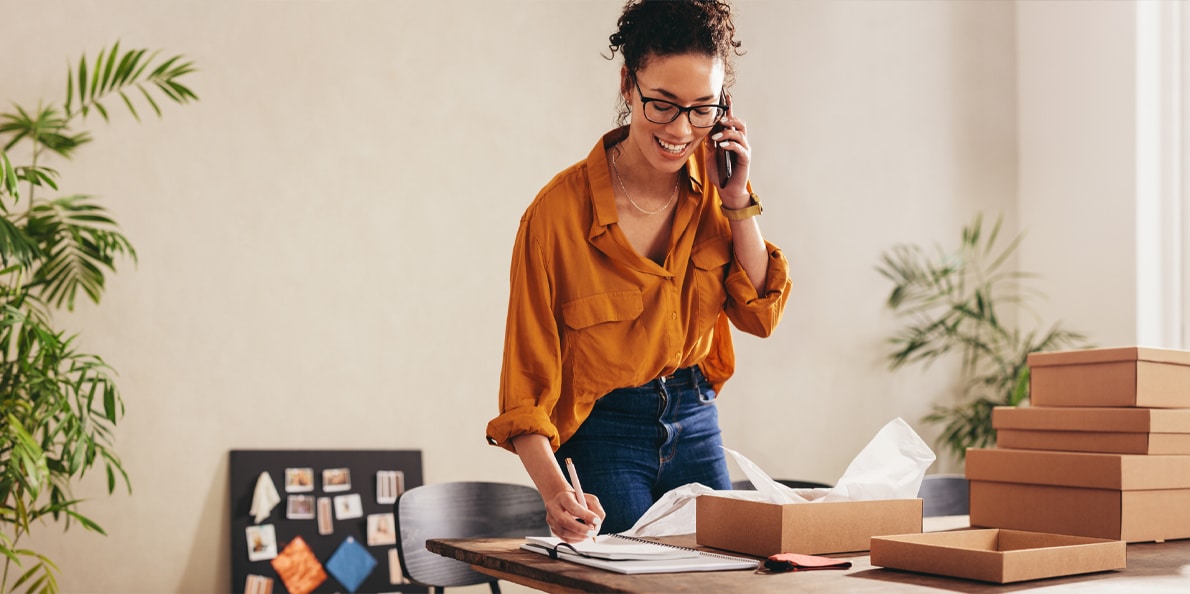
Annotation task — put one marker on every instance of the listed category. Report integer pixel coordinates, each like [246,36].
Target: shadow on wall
[212,534]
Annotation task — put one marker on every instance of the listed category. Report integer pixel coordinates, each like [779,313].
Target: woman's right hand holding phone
[729,138]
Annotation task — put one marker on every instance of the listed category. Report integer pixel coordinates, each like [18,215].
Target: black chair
[746,485]
[945,495]
[461,510]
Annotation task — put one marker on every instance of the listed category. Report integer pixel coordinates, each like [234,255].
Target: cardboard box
[763,529]
[1132,516]
[1131,376]
[1120,496]
[1078,469]
[1109,430]
[999,556]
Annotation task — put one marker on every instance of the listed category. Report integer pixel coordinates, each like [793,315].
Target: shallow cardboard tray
[999,556]
[1101,429]
[1082,418]
[1095,441]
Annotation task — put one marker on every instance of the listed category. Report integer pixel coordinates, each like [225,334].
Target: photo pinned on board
[381,530]
[325,517]
[262,542]
[389,485]
[299,480]
[258,584]
[335,480]
[395,575]
[300,507]
[348,506]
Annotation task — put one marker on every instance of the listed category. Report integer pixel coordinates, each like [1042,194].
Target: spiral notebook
[627,554]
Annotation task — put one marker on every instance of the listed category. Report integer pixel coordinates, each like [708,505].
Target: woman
[626,270]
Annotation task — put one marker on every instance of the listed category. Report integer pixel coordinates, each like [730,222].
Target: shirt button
[673,316]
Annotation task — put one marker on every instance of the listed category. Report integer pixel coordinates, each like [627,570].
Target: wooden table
[1152,569]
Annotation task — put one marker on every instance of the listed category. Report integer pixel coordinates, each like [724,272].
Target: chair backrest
[945,495]
[746,485]
[461,510]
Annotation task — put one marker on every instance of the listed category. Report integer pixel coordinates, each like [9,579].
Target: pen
[578,488]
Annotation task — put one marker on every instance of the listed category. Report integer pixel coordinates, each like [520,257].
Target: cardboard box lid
[998,555]
[1123,420]
[1079,469]
[1111,355]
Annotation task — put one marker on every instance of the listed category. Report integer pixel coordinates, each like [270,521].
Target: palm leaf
[116,72]
[15,245]
[81,243]
[60,407]
[950,303]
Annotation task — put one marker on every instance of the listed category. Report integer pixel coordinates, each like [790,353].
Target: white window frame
[1162,200]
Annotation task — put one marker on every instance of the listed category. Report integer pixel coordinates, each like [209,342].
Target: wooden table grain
[1153,568]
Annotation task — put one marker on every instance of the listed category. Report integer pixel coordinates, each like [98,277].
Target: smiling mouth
[674,149]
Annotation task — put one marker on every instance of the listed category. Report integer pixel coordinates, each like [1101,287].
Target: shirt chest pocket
[711,260]
[590,311]
[712,255]
[602,336]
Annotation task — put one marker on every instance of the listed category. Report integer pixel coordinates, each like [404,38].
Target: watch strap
[739,214]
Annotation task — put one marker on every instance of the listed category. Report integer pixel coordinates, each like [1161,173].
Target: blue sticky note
[351,564]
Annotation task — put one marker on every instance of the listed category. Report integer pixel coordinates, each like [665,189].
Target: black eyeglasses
[660,111]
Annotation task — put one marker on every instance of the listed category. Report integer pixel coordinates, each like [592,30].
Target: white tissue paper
[264,498]
[891,466]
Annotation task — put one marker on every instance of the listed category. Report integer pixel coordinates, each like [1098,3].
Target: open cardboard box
[762,529]
[1109,430]
[999,556]
[1130,376]
[1118,496]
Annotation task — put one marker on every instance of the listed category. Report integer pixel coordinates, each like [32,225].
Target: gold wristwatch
[739,214]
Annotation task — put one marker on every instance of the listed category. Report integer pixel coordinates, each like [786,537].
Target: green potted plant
[59,406]
[951,305]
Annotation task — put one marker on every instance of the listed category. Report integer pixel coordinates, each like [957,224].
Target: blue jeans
[641,442]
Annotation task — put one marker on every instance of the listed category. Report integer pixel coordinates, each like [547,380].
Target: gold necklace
[672,196]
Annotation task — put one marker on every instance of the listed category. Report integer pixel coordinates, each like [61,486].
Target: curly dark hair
[649,28]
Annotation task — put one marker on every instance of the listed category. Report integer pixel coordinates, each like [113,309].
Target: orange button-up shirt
[587,314]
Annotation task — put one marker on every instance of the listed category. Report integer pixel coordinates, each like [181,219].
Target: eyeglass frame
[644,101]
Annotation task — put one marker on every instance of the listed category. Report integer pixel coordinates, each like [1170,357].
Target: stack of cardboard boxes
[1104,450]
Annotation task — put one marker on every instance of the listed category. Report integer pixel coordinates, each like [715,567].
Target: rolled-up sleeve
[530,379]
[752,312]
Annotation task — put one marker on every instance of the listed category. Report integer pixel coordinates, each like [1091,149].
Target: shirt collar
[603,196]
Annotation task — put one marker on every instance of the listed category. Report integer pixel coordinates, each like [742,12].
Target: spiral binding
[673,546]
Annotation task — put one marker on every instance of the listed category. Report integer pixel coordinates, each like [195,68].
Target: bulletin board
[337,475]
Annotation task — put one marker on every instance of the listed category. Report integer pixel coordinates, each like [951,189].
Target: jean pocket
[706,394]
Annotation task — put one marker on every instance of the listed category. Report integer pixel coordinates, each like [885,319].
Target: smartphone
[725,158]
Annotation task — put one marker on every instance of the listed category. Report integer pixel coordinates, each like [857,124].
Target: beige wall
[324,238]
[1078,190]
